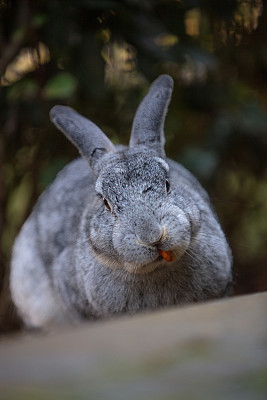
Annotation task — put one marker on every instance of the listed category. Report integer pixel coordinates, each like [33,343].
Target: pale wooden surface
[215,351]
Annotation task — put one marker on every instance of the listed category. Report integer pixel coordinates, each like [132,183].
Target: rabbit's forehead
[132,172]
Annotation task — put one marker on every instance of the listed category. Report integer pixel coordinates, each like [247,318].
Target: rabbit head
[140,220]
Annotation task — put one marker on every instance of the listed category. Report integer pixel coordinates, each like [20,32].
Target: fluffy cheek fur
[100,238]
[115,243]
[177,232]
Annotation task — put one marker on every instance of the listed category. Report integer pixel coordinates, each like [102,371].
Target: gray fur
[75,127]
[149,119]
[75,259]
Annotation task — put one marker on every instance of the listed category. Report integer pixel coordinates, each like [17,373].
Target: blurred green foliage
[99,56]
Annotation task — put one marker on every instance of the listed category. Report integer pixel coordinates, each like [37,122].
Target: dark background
[100,57]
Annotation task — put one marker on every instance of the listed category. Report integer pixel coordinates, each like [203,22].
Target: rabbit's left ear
[91,142]
[149,119]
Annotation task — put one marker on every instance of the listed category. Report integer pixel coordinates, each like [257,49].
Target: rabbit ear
[91,142]
[149,119]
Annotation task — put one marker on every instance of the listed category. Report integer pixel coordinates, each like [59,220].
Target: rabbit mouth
[167,255]
[163,259]
[135,269]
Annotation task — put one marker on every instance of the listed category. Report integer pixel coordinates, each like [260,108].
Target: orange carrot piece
[167,255]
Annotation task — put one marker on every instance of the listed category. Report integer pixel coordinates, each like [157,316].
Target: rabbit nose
[149,234]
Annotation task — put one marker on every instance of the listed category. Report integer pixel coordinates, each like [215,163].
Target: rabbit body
[95,244]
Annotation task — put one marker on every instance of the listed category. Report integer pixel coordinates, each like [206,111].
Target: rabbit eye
[168,186]
[106,204]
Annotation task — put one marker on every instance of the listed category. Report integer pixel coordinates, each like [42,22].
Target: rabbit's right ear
[149,119]
[91,142]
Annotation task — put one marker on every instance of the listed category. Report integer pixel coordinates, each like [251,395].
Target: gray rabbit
[121,229]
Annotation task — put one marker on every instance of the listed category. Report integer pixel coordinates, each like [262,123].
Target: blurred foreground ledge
[216,350]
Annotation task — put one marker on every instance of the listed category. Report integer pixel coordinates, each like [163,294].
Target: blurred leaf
[25,89]
[50,171]
[200,162]
[253,121]
[100,4]
[17,204]
[63,85]
[39,20]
